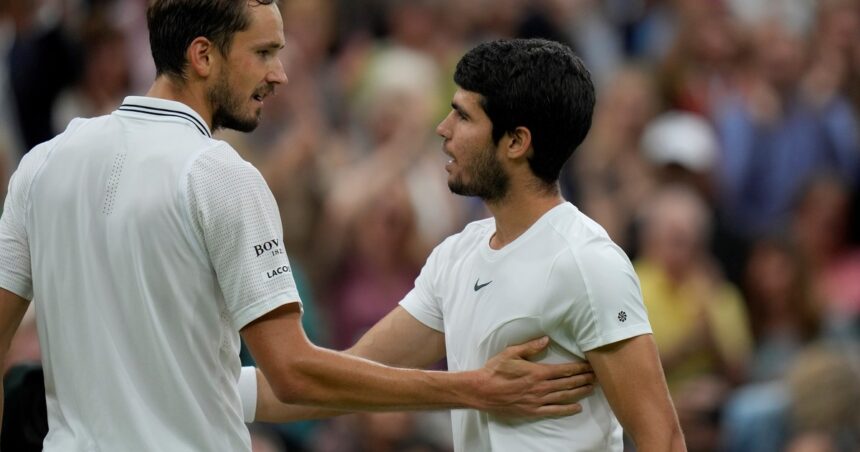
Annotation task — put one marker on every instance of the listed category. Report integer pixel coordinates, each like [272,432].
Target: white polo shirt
[146,245]
[563,278]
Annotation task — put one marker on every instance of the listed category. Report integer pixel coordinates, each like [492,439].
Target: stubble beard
[488,178]
[227,107]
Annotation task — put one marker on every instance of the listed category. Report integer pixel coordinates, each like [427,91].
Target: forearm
[329,379]
[270,409]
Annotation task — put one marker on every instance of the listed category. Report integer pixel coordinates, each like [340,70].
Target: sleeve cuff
[248,393]
[618,336]
[256,310]
[16,286]
[414,307]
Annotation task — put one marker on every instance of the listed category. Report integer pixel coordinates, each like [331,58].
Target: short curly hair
[534,83]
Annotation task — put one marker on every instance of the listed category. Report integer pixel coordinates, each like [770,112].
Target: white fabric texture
[141,232]
[562,278]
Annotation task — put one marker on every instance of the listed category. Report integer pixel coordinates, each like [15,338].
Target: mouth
[262,94]
[450,163]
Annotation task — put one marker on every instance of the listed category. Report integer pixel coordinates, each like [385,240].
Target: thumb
[532,347]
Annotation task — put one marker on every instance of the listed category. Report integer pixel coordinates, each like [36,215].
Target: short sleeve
[16,274]
[609,306]
[423,302]
[15,269]
[237,220]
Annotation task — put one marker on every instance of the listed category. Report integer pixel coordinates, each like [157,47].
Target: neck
[517,212]
[187,92]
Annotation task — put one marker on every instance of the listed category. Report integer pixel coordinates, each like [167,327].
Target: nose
[442,129]
[277,75]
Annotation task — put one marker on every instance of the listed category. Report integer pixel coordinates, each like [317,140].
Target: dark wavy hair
[173,24]
[537,84]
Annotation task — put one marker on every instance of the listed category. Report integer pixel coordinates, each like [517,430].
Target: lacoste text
[278,271]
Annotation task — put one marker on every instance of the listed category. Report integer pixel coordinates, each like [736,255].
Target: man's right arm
[398,340]
[241,236]
[297,372]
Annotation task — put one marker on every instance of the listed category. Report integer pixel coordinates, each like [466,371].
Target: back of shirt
[143,235]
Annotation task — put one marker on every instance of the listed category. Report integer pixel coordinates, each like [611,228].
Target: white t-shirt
[146,246]
[563,278]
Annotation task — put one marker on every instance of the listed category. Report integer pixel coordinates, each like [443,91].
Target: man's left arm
[631,376]
[12,309]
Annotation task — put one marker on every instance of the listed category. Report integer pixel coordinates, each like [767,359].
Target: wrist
[468,389]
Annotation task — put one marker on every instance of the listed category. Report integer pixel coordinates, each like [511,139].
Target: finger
[566,369]
[529,348]
[564,384]
[567,397]
[558,410]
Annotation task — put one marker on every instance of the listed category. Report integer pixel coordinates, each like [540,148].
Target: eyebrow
[271,45]
[459,109]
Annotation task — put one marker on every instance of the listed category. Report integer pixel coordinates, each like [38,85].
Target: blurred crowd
[724,157]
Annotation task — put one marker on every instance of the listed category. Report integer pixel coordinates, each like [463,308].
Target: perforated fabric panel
[113,183]
[236,219]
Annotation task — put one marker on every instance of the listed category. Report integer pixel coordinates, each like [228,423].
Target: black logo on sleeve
[277,272]
[622,316]
[272,246]
[480,286]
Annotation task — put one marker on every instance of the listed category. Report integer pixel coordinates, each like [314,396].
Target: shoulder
[217,161]
[585,248]
[39,154]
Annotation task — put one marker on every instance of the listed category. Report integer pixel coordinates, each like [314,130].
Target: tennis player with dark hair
[148,246]
[538,267]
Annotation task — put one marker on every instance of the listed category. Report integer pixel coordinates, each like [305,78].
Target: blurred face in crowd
[676,230]
[770,274]
[821,219]
[780,54]
[249,71]
[474,168]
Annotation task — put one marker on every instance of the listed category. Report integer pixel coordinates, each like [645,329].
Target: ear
[201,55]
[518,143]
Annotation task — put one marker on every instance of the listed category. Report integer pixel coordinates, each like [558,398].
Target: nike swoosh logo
[480,286]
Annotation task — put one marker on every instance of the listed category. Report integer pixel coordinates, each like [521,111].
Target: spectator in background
[385,205]
[784,312]
[682,147]
[699,320]
[835,54]
[586,26]
[104,80]
[774,136]
[43,61]
[698,70]
[824,395]
[821,226]
[608,178]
